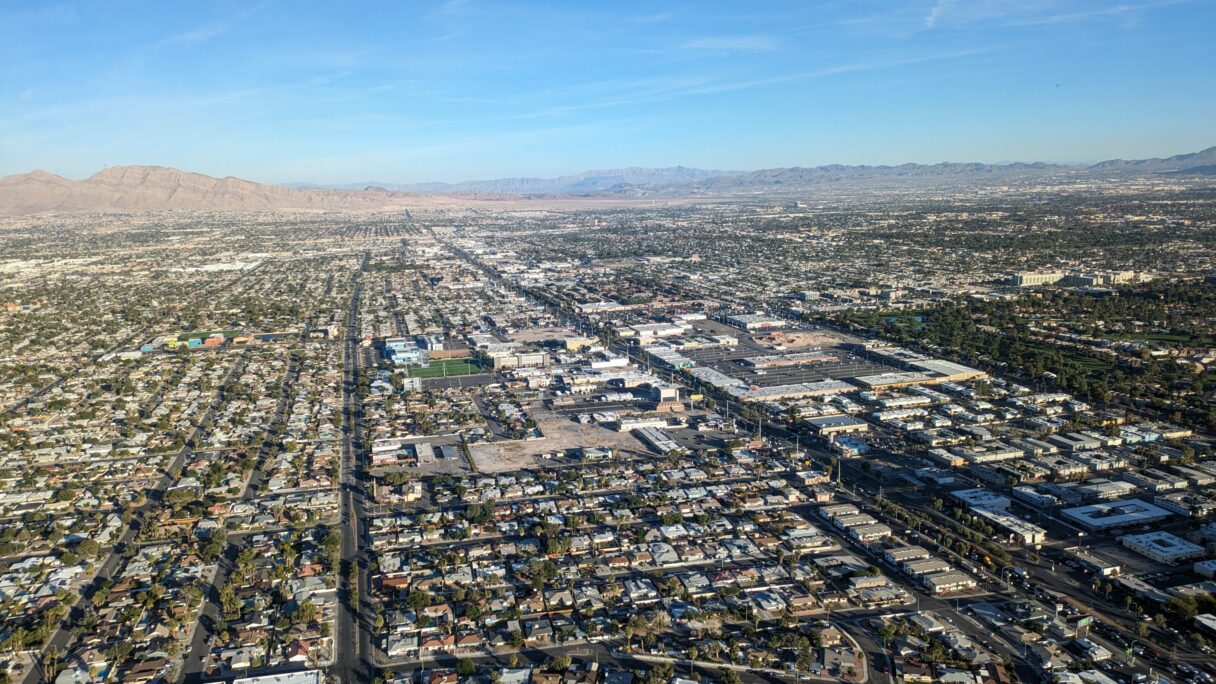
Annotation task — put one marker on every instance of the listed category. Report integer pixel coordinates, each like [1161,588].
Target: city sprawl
[953,435]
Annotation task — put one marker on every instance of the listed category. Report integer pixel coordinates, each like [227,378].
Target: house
[917,672]
[830,636]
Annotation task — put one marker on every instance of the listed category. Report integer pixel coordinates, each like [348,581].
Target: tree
[559,663]
[229,603]
[660,674]
[305,613]
[419,599]
[1183,608]
[466,667]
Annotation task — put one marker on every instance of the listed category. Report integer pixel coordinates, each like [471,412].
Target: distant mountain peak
[136,188]
[1157,164]
[139,188]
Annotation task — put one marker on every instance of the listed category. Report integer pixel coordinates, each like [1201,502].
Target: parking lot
[730,362]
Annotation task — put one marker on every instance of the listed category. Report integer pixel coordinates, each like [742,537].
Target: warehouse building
[870,533]
[656,439]
[928,566]
[907,554]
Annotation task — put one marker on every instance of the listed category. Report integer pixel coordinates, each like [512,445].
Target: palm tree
[50,662]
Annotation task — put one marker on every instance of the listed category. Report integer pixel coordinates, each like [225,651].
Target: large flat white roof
[1116,513]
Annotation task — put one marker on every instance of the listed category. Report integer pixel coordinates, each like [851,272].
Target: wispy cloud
[671,89]
[935,13]
[849,68]
[653,18]
[1032,12]
[454,16]
[1122,10]
[195,36]
[756,43]
[209,30]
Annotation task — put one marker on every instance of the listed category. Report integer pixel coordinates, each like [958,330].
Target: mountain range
[581,183]
[156,188]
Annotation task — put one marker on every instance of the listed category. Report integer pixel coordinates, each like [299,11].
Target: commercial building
[1015,527]
[508,361]
[799,390]
[1095,564]
[838,510]
[907,554]
[795,359]
[651,330]
[1187,504]
[886,381]
[1116,514]
[837,425]
[1163,547]
[870,533]
[948,371]
[949,582]
[1075,441]
[752,322]
[928,566]
[1035,278]
[985,498]
[656,439]
[1205,569]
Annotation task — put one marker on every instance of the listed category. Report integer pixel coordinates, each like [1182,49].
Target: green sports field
[447,367]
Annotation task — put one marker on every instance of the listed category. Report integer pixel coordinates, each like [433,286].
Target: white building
[1163,547]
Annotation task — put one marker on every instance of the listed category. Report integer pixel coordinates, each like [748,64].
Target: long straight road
[353,661]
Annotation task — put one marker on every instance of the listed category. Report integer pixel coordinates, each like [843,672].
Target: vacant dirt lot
[561,434]
[797,340]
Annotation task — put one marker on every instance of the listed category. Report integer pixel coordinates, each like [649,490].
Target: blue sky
[281,91]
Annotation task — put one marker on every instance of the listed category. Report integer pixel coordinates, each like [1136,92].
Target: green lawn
[446,367]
